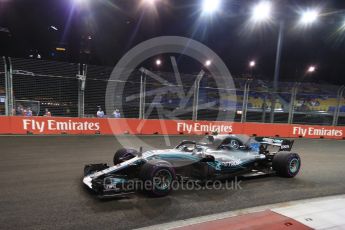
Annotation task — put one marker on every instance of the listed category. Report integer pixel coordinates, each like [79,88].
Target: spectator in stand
[28,112]
[116,113]
[304,107]
[264,106]
[314,102]
[47,113]
[20,110]
[100,113]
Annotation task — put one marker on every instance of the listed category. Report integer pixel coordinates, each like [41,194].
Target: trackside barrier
[5,125]
[90,126]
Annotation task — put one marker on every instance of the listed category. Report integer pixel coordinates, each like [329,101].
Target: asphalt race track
[41,184]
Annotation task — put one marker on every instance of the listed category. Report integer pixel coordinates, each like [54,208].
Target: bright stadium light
[309,16]
[54,28]
[150,2]
[262,11]
[252,64]
[158,62]
[311,69]
[208,63]
[80,1]
[210,6]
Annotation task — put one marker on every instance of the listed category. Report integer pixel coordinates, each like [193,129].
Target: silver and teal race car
[215,157]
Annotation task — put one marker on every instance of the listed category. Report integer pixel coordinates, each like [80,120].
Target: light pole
[252,65]
[262,12]
[85,29]
[246,92]
[277,69]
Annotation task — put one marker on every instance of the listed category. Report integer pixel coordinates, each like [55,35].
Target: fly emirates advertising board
[57,125]
[63,126]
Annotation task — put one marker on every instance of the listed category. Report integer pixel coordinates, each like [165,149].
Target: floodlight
[149,2]
[311,69]
[210,6]
[80,1]
[208,63]
[309,16]
[262,11]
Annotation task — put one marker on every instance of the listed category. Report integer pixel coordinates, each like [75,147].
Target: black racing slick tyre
[157,177]
[286,164]
[123,155]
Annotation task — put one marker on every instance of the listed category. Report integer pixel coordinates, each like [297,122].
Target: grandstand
[310,96]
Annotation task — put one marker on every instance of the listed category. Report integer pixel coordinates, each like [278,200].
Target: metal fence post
[245,101]
[6,96]
[264,108]
[81,76]
[196,96]
[9,87]
[10,76]
[340,95]
[292,102]
[142,96]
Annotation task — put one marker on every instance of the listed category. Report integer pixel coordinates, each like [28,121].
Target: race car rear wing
[284,144]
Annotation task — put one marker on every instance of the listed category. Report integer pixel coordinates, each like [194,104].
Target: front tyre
[286,164]
[157,177]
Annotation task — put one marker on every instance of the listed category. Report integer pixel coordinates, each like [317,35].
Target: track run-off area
[41,184]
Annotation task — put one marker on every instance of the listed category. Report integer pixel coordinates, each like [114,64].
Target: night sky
[115,26]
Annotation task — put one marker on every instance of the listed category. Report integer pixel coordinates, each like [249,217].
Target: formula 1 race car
[215,157]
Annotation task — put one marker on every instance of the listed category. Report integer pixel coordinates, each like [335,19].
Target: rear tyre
[123,155]
[157,177]
[286,164]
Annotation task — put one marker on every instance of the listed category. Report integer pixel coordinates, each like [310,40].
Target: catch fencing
[31,87]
